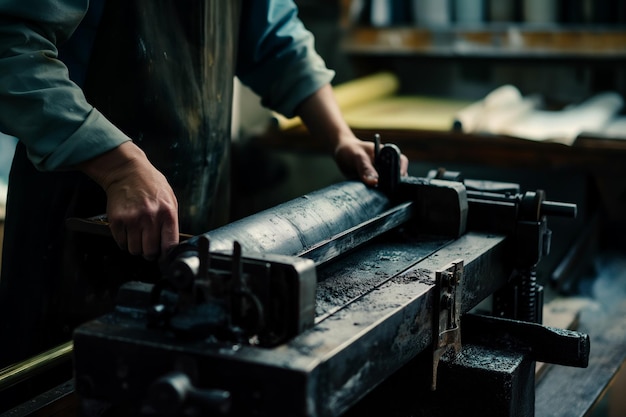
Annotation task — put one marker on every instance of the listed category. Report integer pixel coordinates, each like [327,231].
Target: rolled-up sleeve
[39,104]
[277,57]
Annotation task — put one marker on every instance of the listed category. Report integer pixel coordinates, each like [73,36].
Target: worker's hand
[322,116]
[141,206]
[356,158]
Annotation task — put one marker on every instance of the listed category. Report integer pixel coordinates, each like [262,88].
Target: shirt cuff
[94,137]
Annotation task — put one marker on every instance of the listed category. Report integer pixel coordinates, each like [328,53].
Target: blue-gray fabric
[43,105]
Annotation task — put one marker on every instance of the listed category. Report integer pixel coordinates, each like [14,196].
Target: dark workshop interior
[490,281]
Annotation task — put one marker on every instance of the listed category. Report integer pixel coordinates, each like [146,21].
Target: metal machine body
[304,309]
[380,320]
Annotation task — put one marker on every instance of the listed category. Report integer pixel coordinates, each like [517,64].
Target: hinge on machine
[446,313]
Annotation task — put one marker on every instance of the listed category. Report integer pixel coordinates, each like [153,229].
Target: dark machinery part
[260,299]
[522,299]
[492,375]
[331,215]
[532,339]
[174,394]
[494,371]
[387,160]
[524,217]
[321,371]
[446,314]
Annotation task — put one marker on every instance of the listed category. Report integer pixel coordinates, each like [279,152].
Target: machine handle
[555,208]
[175,391]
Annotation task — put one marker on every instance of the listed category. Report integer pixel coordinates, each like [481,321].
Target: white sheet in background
[498,109]
[505,111]
[565,125]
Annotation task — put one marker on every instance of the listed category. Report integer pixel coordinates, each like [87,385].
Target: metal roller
[298,225]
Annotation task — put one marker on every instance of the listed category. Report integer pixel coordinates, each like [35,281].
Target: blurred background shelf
[501,41]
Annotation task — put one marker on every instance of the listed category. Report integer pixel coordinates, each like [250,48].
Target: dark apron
[162,71]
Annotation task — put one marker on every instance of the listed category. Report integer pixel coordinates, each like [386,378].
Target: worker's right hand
[141,206]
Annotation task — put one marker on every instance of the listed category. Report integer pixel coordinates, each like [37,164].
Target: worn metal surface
[293,227]
[479,381]
[447,314]
[355,236]
[264,299]
[487,381]
[373,308]
[373,315]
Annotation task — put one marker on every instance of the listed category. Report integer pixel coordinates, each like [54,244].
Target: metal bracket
[446,313]
[257,299]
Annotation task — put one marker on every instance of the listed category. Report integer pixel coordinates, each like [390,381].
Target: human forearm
[322,116]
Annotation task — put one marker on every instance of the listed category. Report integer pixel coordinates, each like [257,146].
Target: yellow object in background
[405,112]
[371,103]
[364,90]
[353,93]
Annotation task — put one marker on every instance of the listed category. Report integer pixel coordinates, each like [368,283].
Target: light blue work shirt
[46,109]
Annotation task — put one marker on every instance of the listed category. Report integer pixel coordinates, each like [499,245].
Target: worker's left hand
[356,158]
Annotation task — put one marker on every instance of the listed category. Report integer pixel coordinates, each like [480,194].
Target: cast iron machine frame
[293,312]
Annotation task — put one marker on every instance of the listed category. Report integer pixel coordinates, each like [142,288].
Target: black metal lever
[542,343]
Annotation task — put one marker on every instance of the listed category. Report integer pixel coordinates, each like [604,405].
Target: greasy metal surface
[163,73]
[490,382]
[262,299]
[479,381]
[344,282]
[362,334]
[339,244]
[299,224]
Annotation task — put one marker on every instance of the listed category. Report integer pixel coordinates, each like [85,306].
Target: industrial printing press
[306,308]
